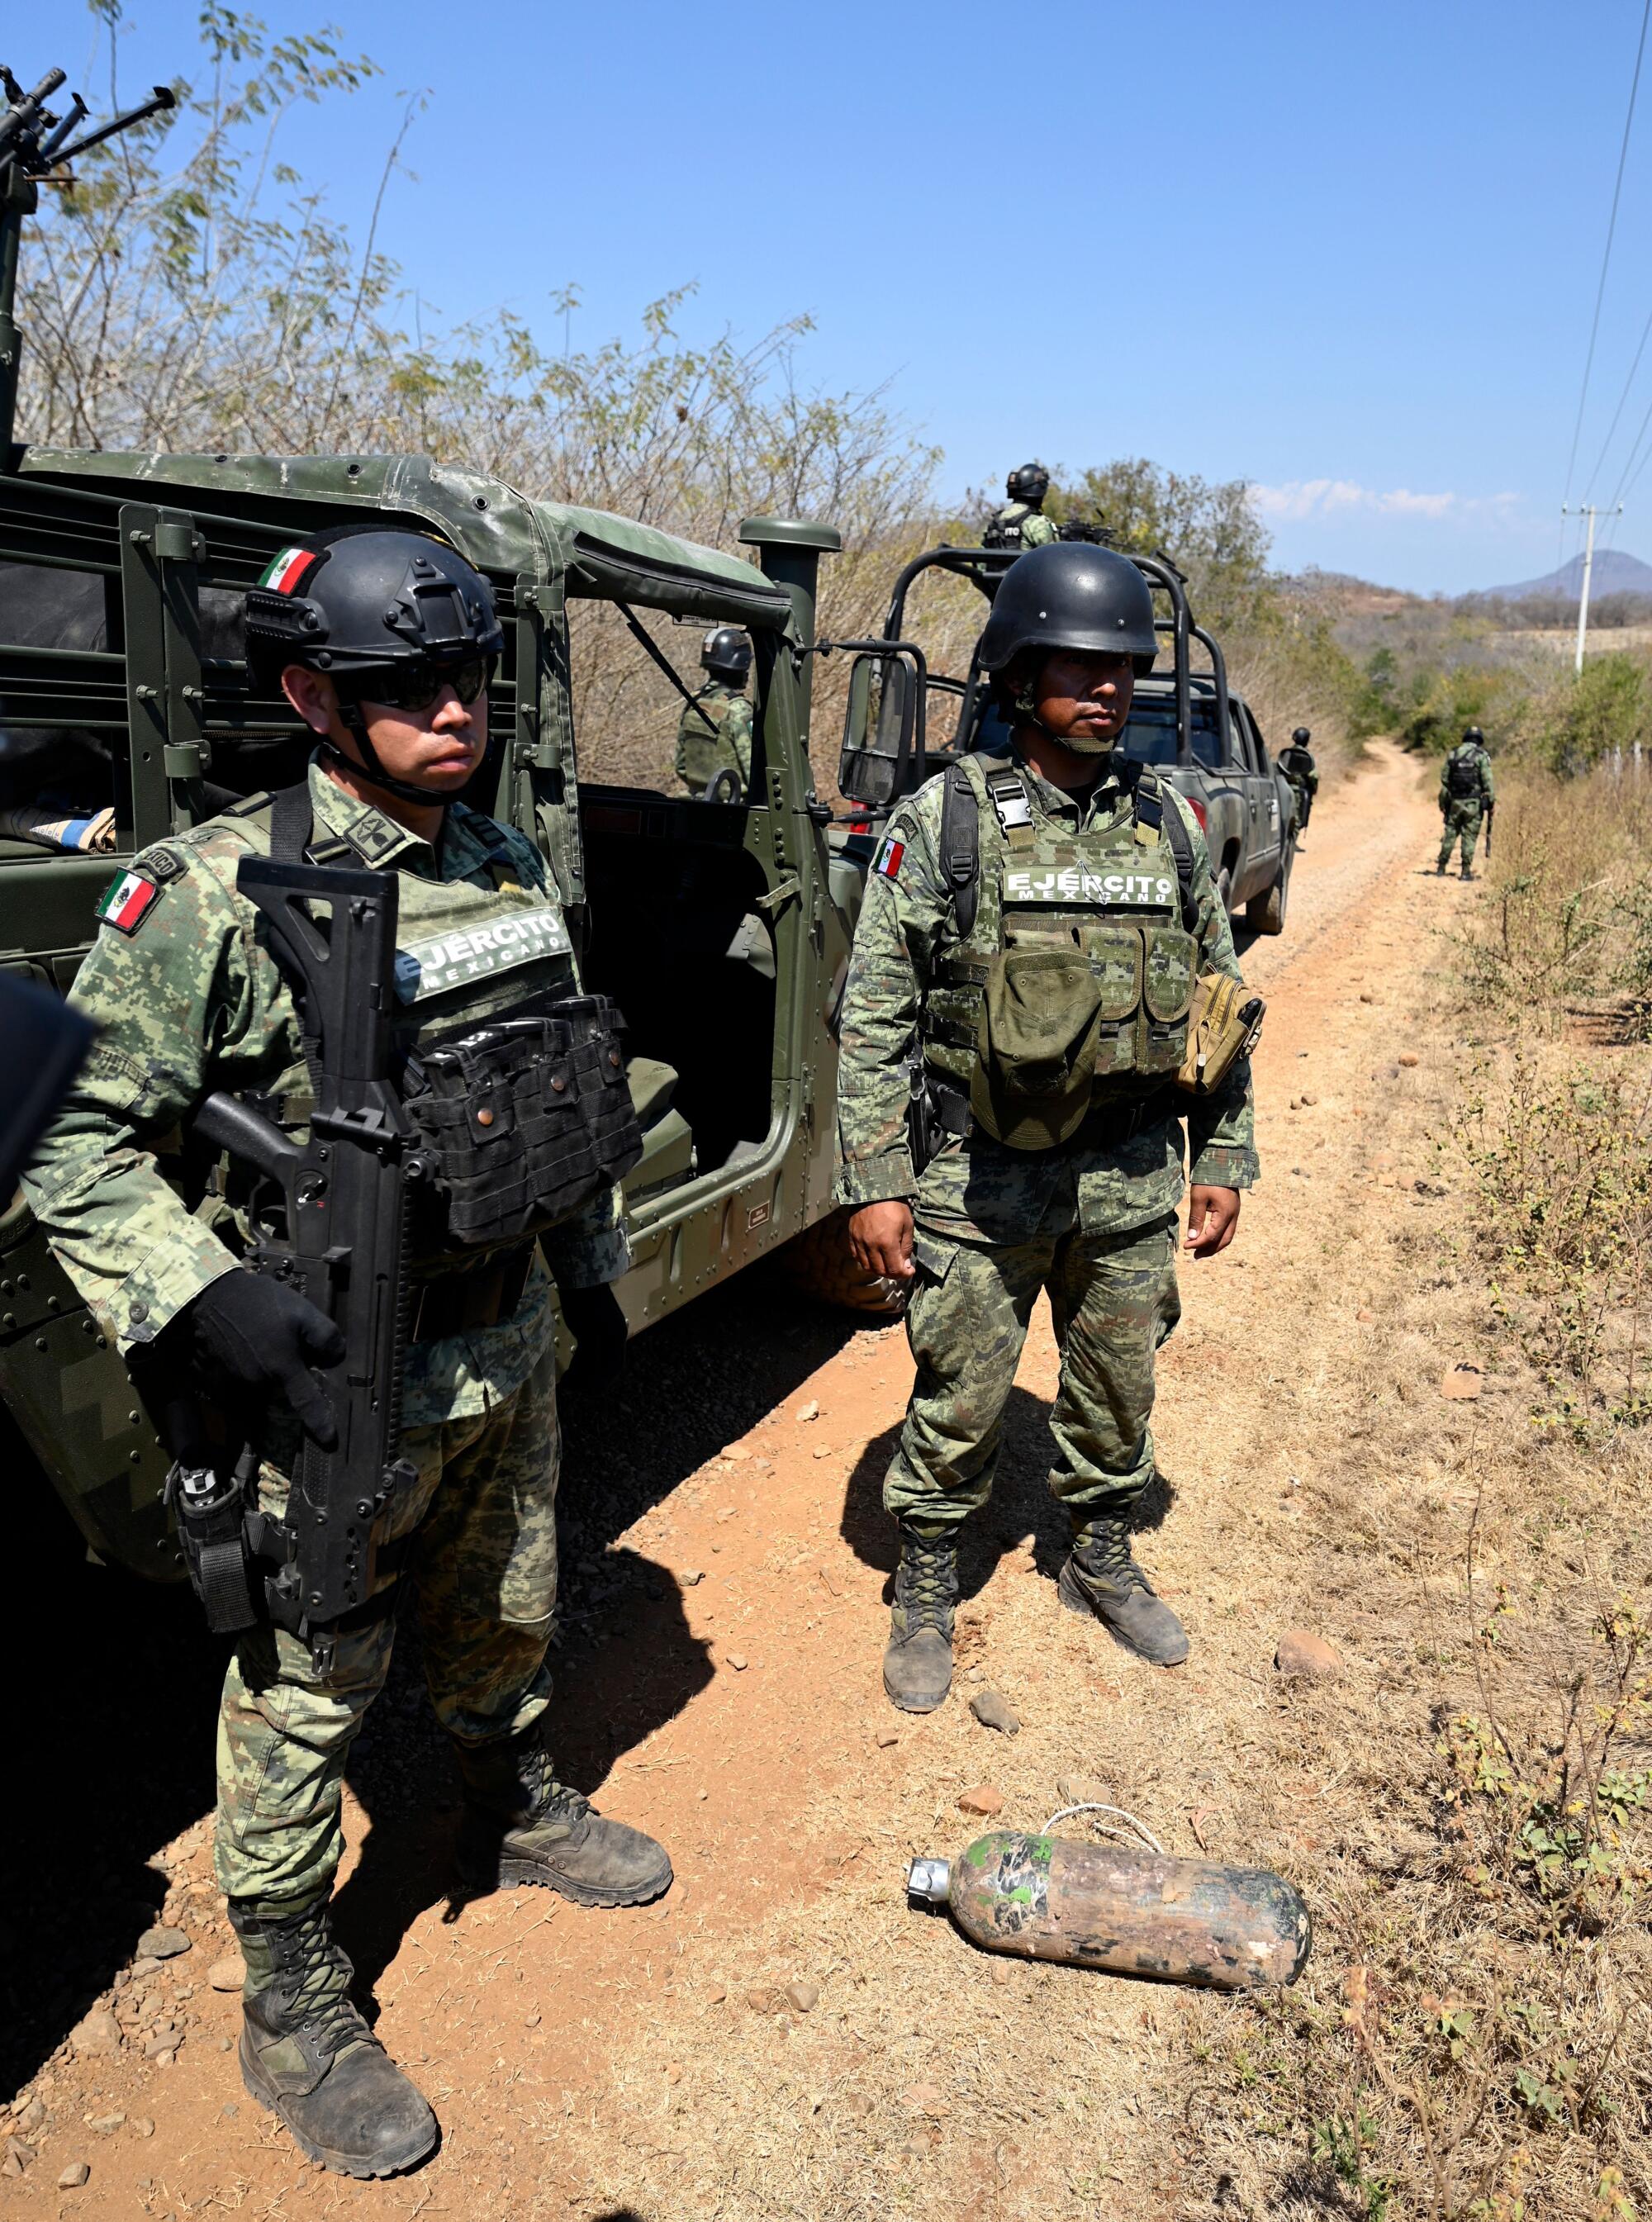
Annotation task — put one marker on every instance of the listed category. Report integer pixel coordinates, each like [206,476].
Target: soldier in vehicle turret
[1467,795]
[714,732]
[1021,522]
[384,641]
[1298,764]
[1044,997]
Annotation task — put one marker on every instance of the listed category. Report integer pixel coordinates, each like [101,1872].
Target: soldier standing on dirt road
[383,642]
[1466,793]
[1021,522]
[714,732]
[1061,1165]
[1298,764]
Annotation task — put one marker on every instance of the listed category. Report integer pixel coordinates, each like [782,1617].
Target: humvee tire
[821,1262]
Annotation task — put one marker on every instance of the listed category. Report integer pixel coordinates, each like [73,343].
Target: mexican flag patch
[127,900]
[887,859]
[286,573]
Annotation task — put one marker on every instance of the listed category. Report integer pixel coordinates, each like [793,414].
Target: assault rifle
[1490,813]
[343,1247]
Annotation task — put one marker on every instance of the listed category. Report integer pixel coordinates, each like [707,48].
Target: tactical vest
[1121,893]
[1003,529]
[1464,777]
[515,1081]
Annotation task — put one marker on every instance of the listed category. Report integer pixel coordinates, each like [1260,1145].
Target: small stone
[16,2158]
[763,2000]
[28,2115]
[226,2044]
[105,2125]
[141,2126]
[230,2111]
[984,1801]
[1366,996]
[1308,1101]
[823,1450]
[691,1578]
[163,1943]
[74,2177]
[736,1659]
[1460,1380]
[802,1995]
[1080,1790]
[856,2103]
[1365,1318]
[1409,1057]
[809,1411]
[886,1737]
[716,1995]
[994,1711]
[674,2071]
[925,2098]
[98,2034]
[163,2050]
[1302,1652]
[228,1975]
[531,2021]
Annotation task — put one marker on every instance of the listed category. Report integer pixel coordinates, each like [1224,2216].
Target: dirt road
[728,1563]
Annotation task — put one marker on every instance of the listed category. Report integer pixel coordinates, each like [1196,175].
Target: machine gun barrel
[25,107]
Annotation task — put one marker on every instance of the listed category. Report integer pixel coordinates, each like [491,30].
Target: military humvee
[721,927]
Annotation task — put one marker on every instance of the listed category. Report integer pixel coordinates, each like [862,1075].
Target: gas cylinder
[1134,1913]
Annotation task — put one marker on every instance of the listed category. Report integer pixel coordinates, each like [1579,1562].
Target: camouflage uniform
[1093,1220]
[189,1002]
[1462,812]
[702,754]
[1023,526]
[1299,767]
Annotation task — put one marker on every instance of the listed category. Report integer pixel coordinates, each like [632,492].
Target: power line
[1605,258]
[1646,334]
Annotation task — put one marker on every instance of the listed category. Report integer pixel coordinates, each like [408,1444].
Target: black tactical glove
[267,1337]
[594,1319]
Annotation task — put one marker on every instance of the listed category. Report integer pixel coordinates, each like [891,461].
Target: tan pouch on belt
[1223,1026]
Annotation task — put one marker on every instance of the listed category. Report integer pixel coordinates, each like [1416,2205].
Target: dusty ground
[728,1564]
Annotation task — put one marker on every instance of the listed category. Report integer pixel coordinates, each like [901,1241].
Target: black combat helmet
[1473,733]
[388,615]
[1300,737]
[1031,482]
[1070,595]
[725,652]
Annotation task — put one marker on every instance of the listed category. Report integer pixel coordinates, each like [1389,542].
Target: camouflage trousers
[1462,823]
[482,1562]
[1114,1300]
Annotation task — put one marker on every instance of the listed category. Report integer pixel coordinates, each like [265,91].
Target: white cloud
[1298,500]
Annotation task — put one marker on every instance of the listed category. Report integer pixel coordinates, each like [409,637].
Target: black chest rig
[515,1081]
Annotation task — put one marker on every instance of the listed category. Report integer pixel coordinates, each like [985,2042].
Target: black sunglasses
[416,686]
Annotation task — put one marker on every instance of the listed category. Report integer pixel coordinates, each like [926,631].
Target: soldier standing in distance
[1298,764]
[1466,794]
[1021,522]
[714,732]
[384,641]
[1074,1191]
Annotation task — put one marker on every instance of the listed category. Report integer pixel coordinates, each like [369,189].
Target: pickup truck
[1187,724]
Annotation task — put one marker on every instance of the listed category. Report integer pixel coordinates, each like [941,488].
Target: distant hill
[1616,572]
[1339,594]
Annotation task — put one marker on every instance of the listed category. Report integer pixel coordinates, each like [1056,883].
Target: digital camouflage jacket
[1031,526]
[702,754]
[188,1001]
[979,1189]
[1478,763]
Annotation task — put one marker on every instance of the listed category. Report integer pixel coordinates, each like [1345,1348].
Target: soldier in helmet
[1467,795]
[714,732]
[1021,522]
[1296,764]
[1059,1163]
[383,642]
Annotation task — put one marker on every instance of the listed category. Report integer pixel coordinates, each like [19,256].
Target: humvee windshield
[1150,736]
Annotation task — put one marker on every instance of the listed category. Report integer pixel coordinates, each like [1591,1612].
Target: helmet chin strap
[369,767]
[1025,708]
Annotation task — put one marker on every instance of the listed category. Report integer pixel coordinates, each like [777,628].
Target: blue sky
[1349,255]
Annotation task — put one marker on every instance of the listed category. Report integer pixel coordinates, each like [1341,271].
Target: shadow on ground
[115,1684]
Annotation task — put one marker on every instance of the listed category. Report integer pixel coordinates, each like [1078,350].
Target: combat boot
[1102,1577]
[917,1662]
[1466,874]
[1439,871]
[308,2055]
[522,1825]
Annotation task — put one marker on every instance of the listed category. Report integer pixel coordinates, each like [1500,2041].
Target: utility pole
[1588,566]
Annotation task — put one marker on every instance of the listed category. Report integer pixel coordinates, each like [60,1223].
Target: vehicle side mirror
[882,756]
